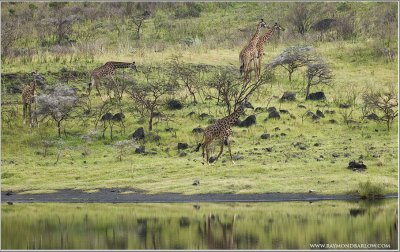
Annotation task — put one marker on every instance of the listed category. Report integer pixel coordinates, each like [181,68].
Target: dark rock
[300,145]
[309,113]
[191,113]
[277,128]
[174,104]
[196,182]
[372,116]
[288,96]
[183,154]
[271,109]
[265,136]
[203,116]
[335,155]
[315,117]
[330,112]
[332,121]
[317,144]
[301,106]
[259,109]
[274,115]
[344,105]
[182,146]
[157,138]
[269,149]
[107,117]
[283,134]
[284,111]
[138,134]
[169,129]
[320,114]
[140,150]
[316,96]
[250,120]
[212,159]
[197,130]
[118,117]
[357,166]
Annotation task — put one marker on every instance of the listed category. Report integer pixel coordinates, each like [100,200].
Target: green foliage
[368,190]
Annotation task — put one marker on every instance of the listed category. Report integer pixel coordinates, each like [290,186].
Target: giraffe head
[262,24]
[276,27]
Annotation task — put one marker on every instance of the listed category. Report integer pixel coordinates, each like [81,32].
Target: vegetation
[188,52]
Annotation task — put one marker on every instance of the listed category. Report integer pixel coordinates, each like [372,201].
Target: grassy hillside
[301,155]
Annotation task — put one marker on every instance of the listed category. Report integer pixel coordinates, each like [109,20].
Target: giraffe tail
[198,146]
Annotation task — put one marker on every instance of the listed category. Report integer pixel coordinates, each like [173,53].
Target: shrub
[367,190]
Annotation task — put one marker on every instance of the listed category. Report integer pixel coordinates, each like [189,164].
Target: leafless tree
[301,16]
[227,86]
[318,73]
[294,57]
[149,90]
[384,103]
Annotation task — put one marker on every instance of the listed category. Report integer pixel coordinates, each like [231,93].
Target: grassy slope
[285,169]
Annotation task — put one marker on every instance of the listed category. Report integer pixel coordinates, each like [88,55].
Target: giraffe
[260,47]
[249,51]
[28,98]
[108,69]
[221,130]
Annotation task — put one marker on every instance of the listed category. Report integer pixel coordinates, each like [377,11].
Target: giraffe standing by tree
[108,69]
[250,51]
[221,130]
[28,98]
[260,47]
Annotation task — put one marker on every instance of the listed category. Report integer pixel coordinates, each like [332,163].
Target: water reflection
[289,225]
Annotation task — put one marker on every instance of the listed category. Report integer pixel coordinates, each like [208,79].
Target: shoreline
[120,196]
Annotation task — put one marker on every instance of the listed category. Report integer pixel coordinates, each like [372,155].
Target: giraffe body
[28,98]
[108,69]
[260,47]
[249,52]
[221,130]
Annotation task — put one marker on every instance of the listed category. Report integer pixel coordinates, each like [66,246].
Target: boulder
[140,150]
[250,120]
[197,130]
[203,116]
[138,134]
[316,96]
[174,104]
[182,146]
[265,136]
[288,96]
[274,115]
[320,114]
[357,166]
[271,109]
[372,116]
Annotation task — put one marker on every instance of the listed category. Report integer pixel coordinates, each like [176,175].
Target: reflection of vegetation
[180,226]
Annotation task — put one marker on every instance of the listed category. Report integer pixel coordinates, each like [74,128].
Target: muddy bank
[130,196]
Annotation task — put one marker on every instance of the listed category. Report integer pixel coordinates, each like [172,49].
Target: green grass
[285,169]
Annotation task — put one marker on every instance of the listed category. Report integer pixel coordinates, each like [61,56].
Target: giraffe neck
[115,64]
[265,37]
[232,118]
[256,35]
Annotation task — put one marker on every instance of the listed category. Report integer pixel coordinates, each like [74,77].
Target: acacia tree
[317,73]
[293,58]
[226,85]
[149,89]
[384,103]
[58,103]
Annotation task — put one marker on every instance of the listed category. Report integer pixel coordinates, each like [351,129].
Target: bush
[188,10]
[367,190]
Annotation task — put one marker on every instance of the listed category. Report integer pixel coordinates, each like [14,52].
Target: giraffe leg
[23,112]
[221,149]
[230,151]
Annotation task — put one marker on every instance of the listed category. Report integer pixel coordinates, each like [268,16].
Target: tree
[384,103]
[301,16]
[317,73]
[189,76]
[231,89]
[138,20]
[149,89]
[294,57]
[57,103]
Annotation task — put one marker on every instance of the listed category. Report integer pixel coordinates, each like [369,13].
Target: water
[283,225]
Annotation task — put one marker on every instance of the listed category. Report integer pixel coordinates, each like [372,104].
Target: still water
[281,225]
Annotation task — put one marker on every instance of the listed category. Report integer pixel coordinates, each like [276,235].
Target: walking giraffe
[260,47]
[108,69]
[250,51]
[28,98]
[221,130]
